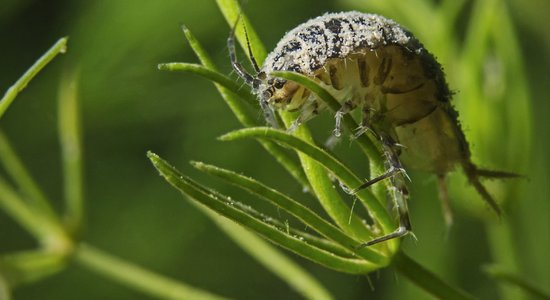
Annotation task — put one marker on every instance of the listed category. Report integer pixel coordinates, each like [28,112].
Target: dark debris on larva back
[310,45]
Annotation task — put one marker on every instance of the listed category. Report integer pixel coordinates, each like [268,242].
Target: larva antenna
[247,77]
[250,54]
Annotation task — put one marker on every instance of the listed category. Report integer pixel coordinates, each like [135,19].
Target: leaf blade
[293,207]
[329,260]
[328,161]
[59,47]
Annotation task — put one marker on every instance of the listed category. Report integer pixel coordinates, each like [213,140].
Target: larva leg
[444,198]
[399,191]
[345,109]
[307,112]
[269,114]
[364,127]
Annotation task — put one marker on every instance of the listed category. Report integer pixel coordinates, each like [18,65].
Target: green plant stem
[472,58]
[372,153]
[502,275]
[21,177]
[517,112]
[4,289]
[231,11]
[71,151]
[59,47]
[514,135]
[504,250]
[47,231]
[271,258]
[136,277]
[425,279]
[29,266]
[325,191]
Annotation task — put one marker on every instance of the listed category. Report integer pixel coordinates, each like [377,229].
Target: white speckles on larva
[307,47]
[370,63]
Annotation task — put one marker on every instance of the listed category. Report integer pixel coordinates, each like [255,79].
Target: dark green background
[129,107]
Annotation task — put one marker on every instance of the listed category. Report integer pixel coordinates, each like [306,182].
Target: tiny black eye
[267,94]
[279,84]
[256,83]
[261,76]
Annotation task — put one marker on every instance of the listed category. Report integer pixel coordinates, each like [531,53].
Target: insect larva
[369,62]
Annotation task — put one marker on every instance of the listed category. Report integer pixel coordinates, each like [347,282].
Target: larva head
[279,93]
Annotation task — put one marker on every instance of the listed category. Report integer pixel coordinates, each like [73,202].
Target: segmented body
[371,62]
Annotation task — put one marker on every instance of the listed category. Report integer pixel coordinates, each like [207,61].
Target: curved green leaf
[307,216]
[364,142]
[214,76]
[245,116]
[344,174]
[229,210]
[231,11]
[366,145]
[59,47]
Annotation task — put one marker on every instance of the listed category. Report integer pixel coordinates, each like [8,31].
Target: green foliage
[58,241]
[108,83]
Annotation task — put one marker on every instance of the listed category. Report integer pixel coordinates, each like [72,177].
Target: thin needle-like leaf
[243,114]
[59,47]
[333,165]
[272,258]
[24,181]
[137,277]
[29,266]
[231,11]
[215,77]
[307,216]
[47,231]
[225,208]
[71,151]
[4,289]
[367,146]
[364,142]
[316,241]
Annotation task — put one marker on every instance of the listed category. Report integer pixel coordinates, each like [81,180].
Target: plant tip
[196,164]
[224,137]
[64,41]
[184,28]
[151,155]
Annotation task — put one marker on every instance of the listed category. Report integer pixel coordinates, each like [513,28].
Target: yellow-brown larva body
[371,63]
[367,61]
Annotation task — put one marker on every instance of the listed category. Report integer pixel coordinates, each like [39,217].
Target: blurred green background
[129,107]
